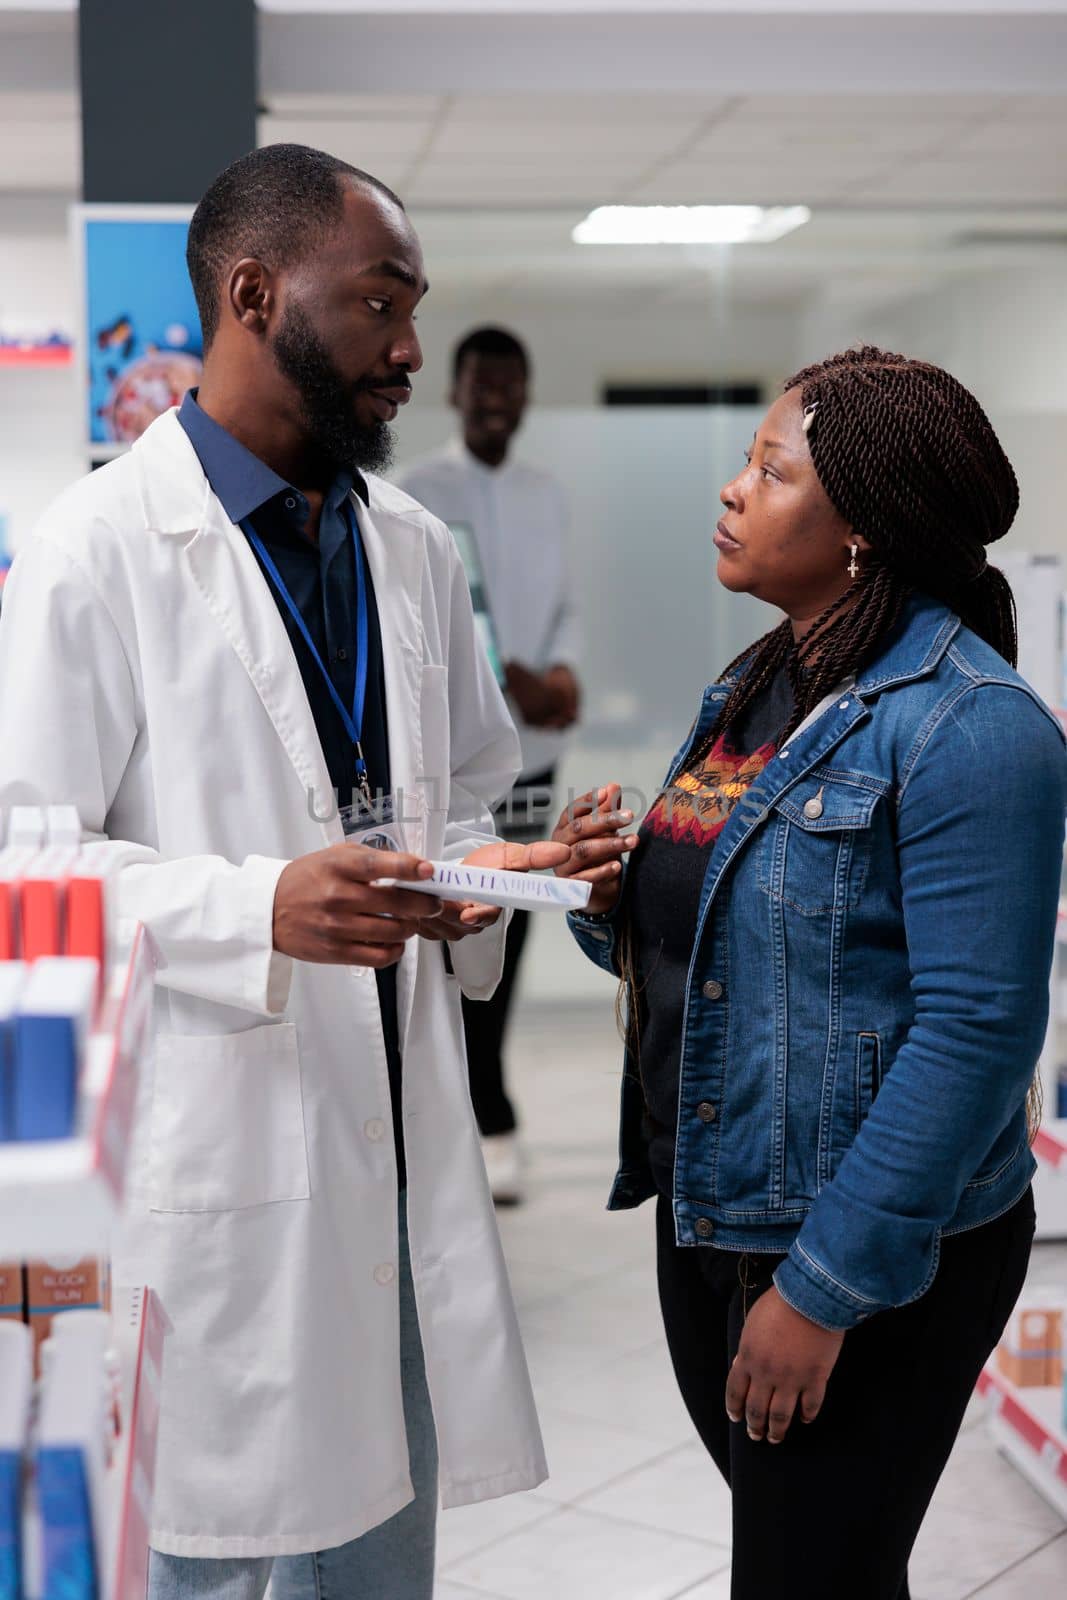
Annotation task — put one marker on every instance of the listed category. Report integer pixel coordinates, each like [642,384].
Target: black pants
[485,1023]
[522,816]
[832,1512]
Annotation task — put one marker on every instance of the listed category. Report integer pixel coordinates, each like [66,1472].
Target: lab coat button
[712,990]
[374,1129]
[705,1228]
[706,1111]
[384,1274]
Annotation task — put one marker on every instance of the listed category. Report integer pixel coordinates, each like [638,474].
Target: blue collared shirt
[321,578]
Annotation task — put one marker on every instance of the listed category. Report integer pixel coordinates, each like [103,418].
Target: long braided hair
[909,459]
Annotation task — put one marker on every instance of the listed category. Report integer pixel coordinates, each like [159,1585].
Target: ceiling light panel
[731,224]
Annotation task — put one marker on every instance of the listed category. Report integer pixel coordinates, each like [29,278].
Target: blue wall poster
[140,344]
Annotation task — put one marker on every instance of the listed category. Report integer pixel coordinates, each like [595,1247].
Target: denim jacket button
[706,1111]
[813,808]
[712,990]
[705,1229]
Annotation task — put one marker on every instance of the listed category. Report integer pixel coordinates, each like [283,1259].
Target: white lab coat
[147,678]
[521,526]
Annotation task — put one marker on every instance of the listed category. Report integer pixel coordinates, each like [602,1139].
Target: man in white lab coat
[203,642]
[515,515]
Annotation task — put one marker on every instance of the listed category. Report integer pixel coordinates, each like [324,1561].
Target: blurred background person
[511,522]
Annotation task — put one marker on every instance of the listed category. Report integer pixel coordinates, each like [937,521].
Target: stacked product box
[55,943]
[39,1293]
[1030,1354]
[58,1440]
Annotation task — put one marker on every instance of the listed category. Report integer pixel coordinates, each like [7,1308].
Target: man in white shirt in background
[517,516]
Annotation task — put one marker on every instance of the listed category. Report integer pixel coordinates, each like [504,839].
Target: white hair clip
[809,415]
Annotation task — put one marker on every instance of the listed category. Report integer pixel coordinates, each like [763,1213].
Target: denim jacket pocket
[850,1092]
[816,846]
[868,1074]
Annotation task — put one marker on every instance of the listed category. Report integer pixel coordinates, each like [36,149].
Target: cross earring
[853,568]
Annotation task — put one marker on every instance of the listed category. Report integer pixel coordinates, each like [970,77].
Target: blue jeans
[394,1561]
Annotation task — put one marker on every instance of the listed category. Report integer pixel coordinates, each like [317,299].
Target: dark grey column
[168,95]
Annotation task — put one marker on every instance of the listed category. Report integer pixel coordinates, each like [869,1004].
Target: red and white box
[14,864]
[43,902]
[90,915]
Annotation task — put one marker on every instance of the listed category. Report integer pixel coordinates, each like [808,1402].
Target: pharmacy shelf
[140,1330]
[1027,1426]
[61,1196]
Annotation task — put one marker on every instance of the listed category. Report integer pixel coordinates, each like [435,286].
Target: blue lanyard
[352,720]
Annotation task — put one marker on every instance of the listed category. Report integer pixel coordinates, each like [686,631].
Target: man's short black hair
[489,342]
[277,204]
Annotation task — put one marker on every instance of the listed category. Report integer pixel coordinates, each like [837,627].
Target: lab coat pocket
[228,1121]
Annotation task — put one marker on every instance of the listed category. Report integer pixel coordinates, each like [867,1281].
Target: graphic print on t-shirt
[696,808]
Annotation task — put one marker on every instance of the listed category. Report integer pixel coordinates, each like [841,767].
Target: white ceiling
[518,150]
[899,182]
[534,150]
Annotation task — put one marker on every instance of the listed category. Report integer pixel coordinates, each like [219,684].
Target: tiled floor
[634,1510]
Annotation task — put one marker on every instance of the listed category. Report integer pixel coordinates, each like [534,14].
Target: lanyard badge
[351,718]
[377,824]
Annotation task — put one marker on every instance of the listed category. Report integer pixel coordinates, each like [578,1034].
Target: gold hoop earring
[853,568]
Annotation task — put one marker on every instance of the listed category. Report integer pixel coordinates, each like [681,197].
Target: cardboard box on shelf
[1030,1354]
[43,903]
[12,983]
[14,863]
[53,1287]
[11,1300]
[55,1010]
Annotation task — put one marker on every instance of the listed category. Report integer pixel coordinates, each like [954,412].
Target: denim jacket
[869,985]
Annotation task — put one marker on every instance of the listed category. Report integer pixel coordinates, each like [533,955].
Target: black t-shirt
[321,577]
[663,887]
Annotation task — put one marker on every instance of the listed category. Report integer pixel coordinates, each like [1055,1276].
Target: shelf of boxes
[1027,1425]
[139,1329]
[59,1200]
[62,1196]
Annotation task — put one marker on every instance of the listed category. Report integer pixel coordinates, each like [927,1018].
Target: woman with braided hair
[834,931]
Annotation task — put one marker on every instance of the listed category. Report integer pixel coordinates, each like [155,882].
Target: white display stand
[1027,1425]
[62,1197]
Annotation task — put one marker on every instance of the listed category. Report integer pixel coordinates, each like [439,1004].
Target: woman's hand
[458,919]
[591,828]
[784,1363]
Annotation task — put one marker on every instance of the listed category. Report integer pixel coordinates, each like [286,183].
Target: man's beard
[326,399]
